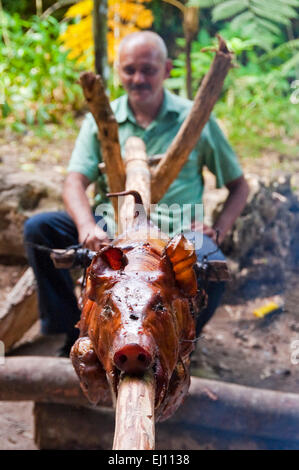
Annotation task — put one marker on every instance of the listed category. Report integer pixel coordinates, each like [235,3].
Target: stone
[23,195]
[264,240]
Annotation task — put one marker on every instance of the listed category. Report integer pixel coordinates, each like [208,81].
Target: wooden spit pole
[138,178]
[135,404]
[135,414]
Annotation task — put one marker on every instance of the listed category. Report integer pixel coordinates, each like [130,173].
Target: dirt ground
[236,346]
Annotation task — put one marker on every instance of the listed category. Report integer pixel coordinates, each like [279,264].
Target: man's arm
[233,206]
[78,207]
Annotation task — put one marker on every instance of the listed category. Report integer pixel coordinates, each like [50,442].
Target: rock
[264,240]
[22,195]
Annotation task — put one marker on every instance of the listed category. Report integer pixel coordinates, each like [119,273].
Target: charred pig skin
[139,313]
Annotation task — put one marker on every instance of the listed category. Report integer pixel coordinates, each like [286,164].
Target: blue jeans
[57,303]
[214,290]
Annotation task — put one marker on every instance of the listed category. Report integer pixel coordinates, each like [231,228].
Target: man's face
[142,71]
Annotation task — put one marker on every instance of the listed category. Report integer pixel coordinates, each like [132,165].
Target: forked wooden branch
[99,106]
[177,154]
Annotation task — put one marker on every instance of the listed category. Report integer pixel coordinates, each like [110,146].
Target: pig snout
[132,359]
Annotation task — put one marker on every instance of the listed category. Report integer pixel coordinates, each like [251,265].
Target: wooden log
[135,414]
[138,178]
[216,415]
[210,405]
[43,379]
[99,106]
[177,154]
[20,311]
[241,410]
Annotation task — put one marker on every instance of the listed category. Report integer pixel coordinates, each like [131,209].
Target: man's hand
[92,236]
[206,230]
[77,205]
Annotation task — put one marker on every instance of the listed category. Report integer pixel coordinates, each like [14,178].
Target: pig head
[138,313]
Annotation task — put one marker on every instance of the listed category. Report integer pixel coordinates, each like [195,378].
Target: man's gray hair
[148,37]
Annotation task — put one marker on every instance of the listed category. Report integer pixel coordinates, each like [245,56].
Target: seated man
[152,113]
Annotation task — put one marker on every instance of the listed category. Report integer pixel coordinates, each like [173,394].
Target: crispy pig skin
[139,291]
[90,371]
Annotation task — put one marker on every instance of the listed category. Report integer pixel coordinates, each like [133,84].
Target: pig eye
[158,306]
[107,310]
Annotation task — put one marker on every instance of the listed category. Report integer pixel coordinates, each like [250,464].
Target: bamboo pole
[178,152]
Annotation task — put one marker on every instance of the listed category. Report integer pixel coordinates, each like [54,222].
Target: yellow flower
[82,8]
[124,17]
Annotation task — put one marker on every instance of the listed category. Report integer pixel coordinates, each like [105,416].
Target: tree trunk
[191,18]
[100,39]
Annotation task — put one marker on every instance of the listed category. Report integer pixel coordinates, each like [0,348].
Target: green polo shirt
[183,200]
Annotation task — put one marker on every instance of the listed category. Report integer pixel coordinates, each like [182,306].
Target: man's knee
[214,292]
[33,227]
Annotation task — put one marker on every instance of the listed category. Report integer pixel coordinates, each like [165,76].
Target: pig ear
[182,256]
[110,257]
[114,257]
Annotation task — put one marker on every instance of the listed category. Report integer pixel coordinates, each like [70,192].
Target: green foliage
[255,103]
[257,112]
[287,53]
[200,64]
[37,79]
[258,18]
[27,8]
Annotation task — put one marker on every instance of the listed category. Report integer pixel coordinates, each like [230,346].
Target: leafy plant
[39,81]
[287,55]
[255,17]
